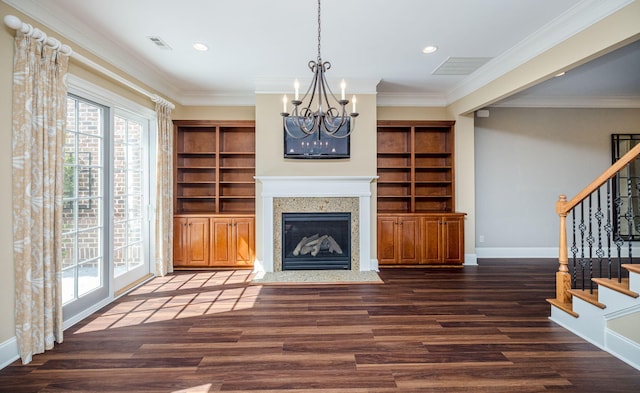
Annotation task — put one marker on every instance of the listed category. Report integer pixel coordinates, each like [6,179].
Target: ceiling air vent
[159,42]
[460,65]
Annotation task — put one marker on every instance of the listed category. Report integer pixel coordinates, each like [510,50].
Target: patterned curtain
[164,191]
[39,101]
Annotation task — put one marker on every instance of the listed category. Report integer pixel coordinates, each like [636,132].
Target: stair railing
[601,235]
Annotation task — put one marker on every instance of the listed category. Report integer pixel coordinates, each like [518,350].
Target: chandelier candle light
[326,118]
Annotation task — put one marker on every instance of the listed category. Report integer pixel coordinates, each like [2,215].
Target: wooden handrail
[565,207]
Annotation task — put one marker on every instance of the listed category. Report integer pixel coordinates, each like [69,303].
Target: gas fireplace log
[313,247]
[303,242]
[314,244]
[334,246]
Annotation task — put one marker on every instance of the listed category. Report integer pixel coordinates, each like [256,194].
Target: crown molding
[570,102]
[284,85]
[205,98]
[411,99]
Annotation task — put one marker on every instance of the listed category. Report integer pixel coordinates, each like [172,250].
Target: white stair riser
[634,282]
[590,324]
[615,300]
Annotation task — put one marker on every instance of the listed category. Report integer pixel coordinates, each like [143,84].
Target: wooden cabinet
[398,240]
[214,193]
[417,222]
[232,241]
[191,241]
[420,239]
[213,241]
[443,239]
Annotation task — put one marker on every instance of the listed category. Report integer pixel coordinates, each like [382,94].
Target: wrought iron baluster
[590,241]
[583,229]
[574,249]
[618,236]
[599,216]
[608,228]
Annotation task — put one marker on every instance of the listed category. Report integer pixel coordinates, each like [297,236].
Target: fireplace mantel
[316,187]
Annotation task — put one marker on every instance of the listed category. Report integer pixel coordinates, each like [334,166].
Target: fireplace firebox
[316,241]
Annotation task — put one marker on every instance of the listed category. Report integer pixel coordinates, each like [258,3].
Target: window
[106,238]
[83,257]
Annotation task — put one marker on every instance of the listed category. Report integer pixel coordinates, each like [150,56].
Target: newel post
[563,278]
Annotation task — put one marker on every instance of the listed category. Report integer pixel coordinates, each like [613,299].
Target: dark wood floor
[476,329]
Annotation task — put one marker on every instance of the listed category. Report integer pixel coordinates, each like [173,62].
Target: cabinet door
[180,241]
[387,246]
[453,239]
[409,240]
[221,242]
[198,241]
[431,243]
[243,241]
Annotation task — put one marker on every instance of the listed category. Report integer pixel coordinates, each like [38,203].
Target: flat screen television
[314,146]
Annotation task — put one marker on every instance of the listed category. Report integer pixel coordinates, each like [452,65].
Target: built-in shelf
[214,167]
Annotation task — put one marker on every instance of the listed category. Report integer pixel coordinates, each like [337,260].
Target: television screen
[299,145]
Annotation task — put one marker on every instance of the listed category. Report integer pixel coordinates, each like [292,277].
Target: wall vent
[460,65]
[159,42]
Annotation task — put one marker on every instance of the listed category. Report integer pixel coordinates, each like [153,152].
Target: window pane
[68,285]
[68,251]
[89,119]
[134,136]
[89,213]
[89,150]
[89,277]
[89,244]
[135,256]
[134,231]
[119,234]
[119,262]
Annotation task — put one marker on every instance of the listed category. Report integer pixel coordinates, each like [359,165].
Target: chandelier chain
[319,30]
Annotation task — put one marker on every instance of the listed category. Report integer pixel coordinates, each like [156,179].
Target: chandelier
[326,118]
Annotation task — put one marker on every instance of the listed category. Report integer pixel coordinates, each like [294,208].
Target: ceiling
[262,46]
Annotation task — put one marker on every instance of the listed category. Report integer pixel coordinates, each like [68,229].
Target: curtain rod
[16,24]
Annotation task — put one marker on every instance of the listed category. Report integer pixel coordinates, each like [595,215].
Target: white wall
[524,159]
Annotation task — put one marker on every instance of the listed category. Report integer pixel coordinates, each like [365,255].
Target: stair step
[588,297]
[632,267]
[566,307]
[613,284]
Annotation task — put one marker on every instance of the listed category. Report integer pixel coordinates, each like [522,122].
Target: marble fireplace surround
[293,194]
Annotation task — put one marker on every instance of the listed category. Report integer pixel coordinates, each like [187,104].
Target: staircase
[598,279]
[608,318]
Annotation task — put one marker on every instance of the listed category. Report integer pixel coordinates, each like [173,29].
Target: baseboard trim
[536,252]
[8,352]
[517,252]
[470,259]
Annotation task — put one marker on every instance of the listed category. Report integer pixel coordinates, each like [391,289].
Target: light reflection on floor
[137,309]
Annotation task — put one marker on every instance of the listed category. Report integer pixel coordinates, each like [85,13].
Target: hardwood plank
[473,329]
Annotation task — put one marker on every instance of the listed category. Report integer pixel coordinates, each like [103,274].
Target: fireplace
[311,194]
[316,241]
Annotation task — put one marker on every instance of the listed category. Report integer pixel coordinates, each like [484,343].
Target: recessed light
[200,46]
[429,49]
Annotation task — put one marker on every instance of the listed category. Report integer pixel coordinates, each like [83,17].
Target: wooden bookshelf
[415,166]
[214,167]
[416,221]
[214,194]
